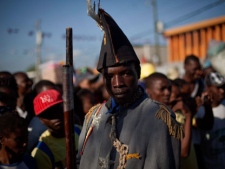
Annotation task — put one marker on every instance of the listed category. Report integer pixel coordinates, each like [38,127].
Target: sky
[18,19]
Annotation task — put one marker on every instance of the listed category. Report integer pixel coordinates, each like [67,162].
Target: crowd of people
[120,121]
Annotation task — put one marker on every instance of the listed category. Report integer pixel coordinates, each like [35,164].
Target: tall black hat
[116,48]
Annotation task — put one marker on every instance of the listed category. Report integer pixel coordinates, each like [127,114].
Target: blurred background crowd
[187,74]
[197,96]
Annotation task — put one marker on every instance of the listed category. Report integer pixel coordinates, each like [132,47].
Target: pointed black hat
[116,49]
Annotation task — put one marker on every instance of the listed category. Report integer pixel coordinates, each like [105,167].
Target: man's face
[24,83]
[53,118]
[160,90]
[193,69]
[10,97]
[121,82]
[185,89]
[16,142]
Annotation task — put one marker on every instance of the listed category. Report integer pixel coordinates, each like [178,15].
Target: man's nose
[117,81]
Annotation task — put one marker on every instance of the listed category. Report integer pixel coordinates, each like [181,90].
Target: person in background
[87,78]
[5,74]
[24,84]
[195,105]
[193,76]
[13,142]
[8,91]
[35,127]
[195,79]
[185,94]
[87,98]
[158,87]
[184,116]
[212,140]
[129,130]
[84,99]
[165,91]
[50,152]
[184,87]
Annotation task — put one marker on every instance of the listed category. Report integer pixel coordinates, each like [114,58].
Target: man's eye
[127,73]
[108,77]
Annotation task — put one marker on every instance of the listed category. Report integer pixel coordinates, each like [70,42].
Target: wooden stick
[69,103]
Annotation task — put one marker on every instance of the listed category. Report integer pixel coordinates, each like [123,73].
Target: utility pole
[38,50]
[156,37]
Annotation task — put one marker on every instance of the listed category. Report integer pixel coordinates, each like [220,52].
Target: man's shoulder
[50,140]
[167,116]
[45,134]
[93,110]
[154,106]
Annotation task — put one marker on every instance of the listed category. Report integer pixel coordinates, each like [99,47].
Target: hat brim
[50,105]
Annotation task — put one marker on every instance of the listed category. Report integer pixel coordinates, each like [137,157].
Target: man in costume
[129,130]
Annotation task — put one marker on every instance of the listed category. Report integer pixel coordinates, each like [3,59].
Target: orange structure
[194,38]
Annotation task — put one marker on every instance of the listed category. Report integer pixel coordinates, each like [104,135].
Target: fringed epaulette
[90,112]
[175,129]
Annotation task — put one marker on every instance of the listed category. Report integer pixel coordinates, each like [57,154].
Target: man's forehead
[118,67]
[193,63]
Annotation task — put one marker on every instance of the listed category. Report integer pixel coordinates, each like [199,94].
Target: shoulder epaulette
[89,120]
[90,112]
[175,129]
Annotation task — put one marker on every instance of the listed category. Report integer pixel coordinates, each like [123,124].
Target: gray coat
[146,131]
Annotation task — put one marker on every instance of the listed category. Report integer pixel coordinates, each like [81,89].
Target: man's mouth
[120,94]
[57,123]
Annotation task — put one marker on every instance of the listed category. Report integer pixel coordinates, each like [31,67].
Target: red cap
[46,99]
